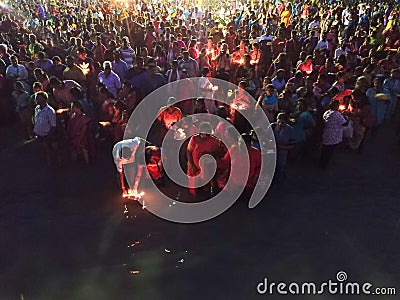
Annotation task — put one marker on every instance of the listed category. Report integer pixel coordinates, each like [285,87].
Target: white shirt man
[314,25]
[118,152]
[339,51]
[124,153]
[110,79]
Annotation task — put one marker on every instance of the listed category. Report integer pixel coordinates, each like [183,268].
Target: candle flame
[62,110]
[85,68]
[132,193]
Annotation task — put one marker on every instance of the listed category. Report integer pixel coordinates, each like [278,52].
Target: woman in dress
[302,123]
[119,120]
[379,97]
[79,133]
[199,145]
[234,159]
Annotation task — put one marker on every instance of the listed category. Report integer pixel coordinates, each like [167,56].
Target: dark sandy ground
[63,234]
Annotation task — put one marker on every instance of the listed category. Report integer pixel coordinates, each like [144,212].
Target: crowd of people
[323,72]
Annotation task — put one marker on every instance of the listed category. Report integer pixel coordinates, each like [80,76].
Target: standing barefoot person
[45,126]
[333,132]
[79,133]
[23,107]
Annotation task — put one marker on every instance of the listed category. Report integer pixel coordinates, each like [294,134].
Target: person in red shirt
[192,50]
[200,144]
[181,43]
[168,116]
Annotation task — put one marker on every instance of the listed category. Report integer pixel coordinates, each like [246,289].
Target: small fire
[105,124]
[239,106]
[179,134]
[85,68]
[132,193]
[342,107]
[238,61]
[62,110]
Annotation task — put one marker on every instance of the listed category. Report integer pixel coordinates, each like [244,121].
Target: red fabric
[78,132]
[199,146]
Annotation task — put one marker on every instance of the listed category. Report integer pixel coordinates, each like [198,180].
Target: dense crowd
[324,72]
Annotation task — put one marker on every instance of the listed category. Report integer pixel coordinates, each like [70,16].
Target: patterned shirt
[45,119]
[333,131]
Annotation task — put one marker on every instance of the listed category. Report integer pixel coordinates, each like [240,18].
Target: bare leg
[122,181]
[138,177]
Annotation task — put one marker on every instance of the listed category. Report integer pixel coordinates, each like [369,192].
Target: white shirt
[314,25]
[128,55]
[206,91]
[119,161]
[45,119]
[339,51]
[333,131]
[112,82]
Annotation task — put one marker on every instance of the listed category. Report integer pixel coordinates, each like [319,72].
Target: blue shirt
[120,67]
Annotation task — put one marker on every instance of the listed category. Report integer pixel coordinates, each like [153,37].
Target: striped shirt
[128,55]
[45,119]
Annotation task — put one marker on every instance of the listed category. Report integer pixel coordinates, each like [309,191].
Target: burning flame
[105,123]
[85,68]
[62,110]
[342,107]
[133,193]
[179,134]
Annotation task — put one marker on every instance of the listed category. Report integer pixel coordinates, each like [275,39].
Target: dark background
[63,234]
